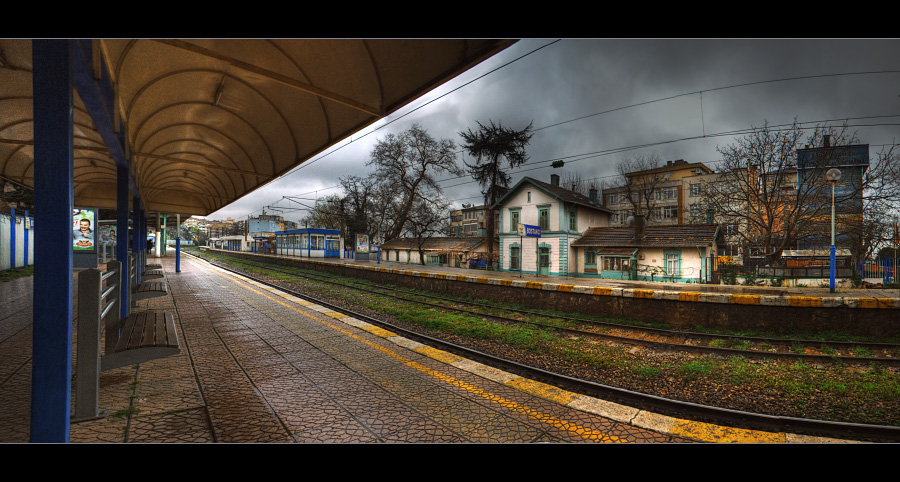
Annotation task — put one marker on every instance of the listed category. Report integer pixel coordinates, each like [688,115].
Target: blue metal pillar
[178,243]
[122,236]
[12,238]
[25,244]
[54,201]
[137,234]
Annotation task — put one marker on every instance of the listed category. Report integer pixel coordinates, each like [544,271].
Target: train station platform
[260,366]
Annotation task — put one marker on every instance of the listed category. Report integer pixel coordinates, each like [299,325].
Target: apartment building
[663,195]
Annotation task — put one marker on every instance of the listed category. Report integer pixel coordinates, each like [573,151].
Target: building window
[695,190]
[590,259]
[612,199]
[673,263]
[544,219]
[515,258]
[573,219]
[514,220]
[615,263]
[670,212]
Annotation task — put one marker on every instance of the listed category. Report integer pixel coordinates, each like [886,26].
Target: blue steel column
[25,233]
[122,236]
[53,201]
[137,233]
[12,238]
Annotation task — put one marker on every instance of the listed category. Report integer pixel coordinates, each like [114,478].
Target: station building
[562,216]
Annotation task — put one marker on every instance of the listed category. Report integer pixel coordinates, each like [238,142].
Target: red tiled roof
[458,244]
[654,236]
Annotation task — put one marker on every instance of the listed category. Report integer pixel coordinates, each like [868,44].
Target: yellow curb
[876,303]
[716,433]
[534,284]
[547,392]
[378,331]
[745,299]
[566,288]
[482,279]
[439,355]
[688,296]
[602,290]
[643,294]
[805,301]
[334,314]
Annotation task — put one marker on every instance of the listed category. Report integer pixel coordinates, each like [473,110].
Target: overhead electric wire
[600,153]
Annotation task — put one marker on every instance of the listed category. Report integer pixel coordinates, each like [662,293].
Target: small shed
[309,243]
[454,251]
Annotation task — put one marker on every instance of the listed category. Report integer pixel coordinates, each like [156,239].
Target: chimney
[593,195]
[827,140]
[640,228]
[554,179]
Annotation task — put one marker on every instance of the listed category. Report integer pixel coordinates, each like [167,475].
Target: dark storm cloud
[575,78]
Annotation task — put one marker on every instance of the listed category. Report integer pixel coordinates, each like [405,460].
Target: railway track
[667,406]
[813,351]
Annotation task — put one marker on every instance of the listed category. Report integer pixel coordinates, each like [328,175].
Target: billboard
[84,238]
[362,243]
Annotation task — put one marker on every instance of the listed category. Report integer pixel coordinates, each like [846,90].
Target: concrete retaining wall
[681,309]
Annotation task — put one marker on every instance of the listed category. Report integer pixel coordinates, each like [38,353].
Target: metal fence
[883,269]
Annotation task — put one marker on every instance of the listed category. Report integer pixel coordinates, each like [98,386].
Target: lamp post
[832,176]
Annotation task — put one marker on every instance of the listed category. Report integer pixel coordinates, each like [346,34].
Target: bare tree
[427,218]
[638,183]
[406,165]
[325,214]
[575,182]
[775,200]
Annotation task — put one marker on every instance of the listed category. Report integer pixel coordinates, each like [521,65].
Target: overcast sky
[590,96]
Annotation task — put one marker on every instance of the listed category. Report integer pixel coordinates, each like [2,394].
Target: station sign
[529,230]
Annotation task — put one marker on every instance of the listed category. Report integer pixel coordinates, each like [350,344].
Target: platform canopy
[201,123]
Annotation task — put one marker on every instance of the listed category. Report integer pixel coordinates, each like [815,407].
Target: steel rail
[661,405]
[638,341]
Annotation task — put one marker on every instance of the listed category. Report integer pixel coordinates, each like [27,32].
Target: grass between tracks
[832,392]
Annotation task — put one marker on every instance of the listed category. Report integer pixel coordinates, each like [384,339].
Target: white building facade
[561,215]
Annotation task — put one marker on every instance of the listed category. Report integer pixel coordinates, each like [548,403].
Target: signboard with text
[529,230]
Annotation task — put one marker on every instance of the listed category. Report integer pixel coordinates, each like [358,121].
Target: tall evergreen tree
[495,148]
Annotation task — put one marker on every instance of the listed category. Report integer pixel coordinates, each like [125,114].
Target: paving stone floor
[259,367]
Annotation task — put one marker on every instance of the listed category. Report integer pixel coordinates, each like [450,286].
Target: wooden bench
[137,338]
[152,274]
[148,288]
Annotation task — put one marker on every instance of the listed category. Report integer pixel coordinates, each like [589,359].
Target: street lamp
[832,176]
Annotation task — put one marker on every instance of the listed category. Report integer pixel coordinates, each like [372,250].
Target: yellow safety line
[681,428]
[585,432]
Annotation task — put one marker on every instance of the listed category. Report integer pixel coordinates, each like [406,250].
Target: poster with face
[362,243]
[83,230]
[108,235]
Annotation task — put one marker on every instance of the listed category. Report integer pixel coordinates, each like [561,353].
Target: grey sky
[574,78]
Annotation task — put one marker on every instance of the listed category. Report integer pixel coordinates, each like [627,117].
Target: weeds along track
[619,332]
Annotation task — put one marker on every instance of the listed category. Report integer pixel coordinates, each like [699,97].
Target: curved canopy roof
[204,122]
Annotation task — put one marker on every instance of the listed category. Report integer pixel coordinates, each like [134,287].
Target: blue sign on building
[529,230]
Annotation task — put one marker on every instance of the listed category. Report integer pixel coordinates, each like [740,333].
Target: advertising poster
[83,226]
[362,243]
[108,235]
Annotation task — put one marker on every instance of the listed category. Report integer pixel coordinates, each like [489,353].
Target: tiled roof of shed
[466,243]
[655,236]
